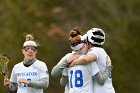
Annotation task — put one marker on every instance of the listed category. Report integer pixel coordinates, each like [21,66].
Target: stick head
[4,59]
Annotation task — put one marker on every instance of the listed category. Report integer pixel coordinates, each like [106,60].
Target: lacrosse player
[80,76]
[30,75]
[96,39]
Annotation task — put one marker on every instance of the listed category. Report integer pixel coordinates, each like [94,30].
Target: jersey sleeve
[57,70]
[65,72]
[102,77]
[94,68]
[93,51]
[64,80]
[44,71]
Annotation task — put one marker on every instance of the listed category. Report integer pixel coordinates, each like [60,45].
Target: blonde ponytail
[29,41]
[29,37]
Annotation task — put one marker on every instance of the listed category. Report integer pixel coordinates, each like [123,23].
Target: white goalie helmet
[96,36]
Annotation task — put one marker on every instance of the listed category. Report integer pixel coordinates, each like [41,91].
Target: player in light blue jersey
[30,75]
[96,39]
[79,77]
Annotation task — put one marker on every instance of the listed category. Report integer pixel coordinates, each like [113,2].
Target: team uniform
[80,78]
[101,62]
[35,72]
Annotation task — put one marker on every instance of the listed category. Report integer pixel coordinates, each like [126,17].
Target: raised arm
[90,57]
[57,70]
[62,64]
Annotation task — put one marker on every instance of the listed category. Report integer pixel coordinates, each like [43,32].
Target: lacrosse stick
[4,59]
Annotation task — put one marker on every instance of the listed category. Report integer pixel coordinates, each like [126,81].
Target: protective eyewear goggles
[73,44]
[27,48]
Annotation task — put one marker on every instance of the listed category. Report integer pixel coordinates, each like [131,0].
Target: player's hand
[73,63]
[73,57]
[23,80]
[108,61]
[6,81]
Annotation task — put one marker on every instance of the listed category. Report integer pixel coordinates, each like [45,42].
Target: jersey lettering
[78,78]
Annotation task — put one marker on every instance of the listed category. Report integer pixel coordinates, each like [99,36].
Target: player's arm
[57,70]
[63,80]
[90,57]
[40,84]
[12,87]
[11,84]
[43,82]
[102,77]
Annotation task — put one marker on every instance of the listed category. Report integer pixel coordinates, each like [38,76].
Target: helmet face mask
[96,36]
